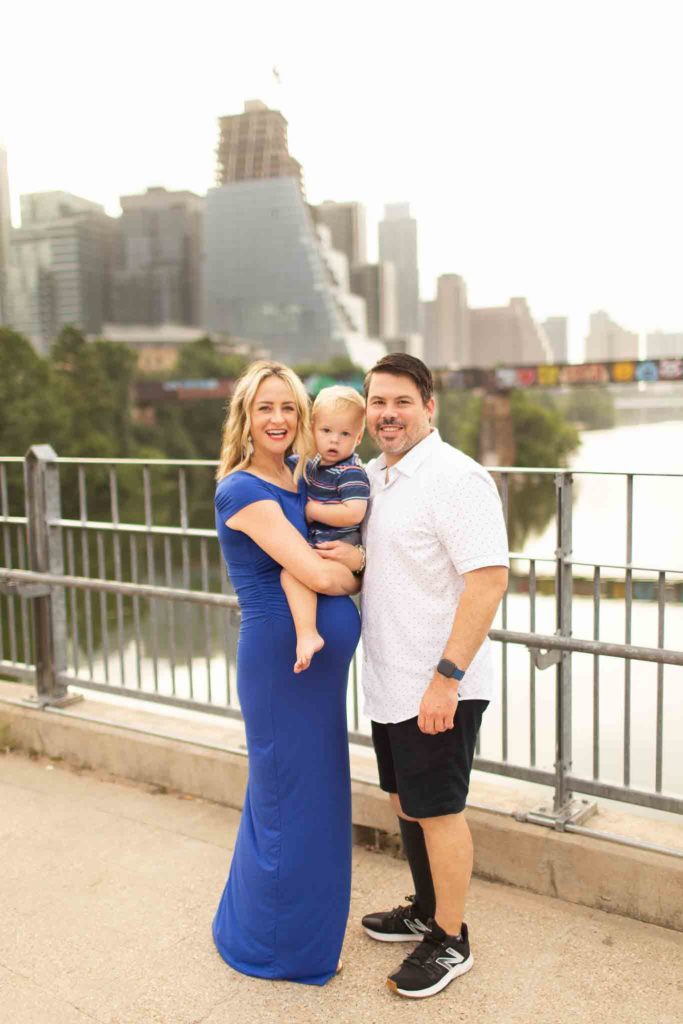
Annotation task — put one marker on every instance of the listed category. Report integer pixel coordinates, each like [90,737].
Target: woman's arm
[265,523]
[343,513]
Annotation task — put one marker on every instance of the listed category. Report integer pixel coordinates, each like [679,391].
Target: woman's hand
[340,551]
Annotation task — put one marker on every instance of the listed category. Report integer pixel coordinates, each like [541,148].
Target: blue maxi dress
[285,905]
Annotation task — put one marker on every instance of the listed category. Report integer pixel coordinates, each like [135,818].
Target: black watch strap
[450,669]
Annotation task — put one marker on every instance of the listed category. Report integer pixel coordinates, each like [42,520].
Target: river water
[599,535]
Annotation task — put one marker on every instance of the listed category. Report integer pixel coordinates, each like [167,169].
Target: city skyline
[547,169]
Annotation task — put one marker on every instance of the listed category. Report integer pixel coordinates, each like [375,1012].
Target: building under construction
[253,145]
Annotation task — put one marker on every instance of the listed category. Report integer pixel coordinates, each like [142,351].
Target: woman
[284,908]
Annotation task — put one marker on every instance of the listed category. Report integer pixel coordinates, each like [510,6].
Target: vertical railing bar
[168,566]
[661,613]
[73,602]
[627,629]
[11,608]
[4,502]
[104,624]
[532,664]
[596,674]
[23,603]
[227,618]
[5,528]
[505,498]
[151,575]
[133,541]
[85,566]
[564,596]
[185,552]
[118,569]
[207,621]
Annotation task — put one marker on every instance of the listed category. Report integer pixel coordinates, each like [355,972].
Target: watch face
[446,667]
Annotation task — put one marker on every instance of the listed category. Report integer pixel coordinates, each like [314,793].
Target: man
[436,571]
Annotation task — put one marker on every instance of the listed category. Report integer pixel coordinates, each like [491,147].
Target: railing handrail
[74,460]
[538,641]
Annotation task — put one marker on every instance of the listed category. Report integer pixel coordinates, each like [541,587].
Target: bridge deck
[106,897]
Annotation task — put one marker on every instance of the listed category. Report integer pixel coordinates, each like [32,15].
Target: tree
[543,439]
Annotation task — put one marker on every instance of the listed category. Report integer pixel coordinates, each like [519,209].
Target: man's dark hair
[402,365]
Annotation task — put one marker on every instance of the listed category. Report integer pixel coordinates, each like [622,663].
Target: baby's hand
[310,511]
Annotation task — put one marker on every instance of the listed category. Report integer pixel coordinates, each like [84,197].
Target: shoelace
[402,911]
[424,951]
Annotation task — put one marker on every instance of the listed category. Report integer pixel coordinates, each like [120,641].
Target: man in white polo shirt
[436,571]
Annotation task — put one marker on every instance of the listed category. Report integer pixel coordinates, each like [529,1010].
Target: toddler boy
[338,495]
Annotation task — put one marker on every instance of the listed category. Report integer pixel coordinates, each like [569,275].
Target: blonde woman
[284,908]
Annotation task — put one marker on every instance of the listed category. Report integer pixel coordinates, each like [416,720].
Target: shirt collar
[413,459]
[352,460]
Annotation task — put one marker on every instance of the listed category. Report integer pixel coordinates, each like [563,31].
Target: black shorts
[430,773]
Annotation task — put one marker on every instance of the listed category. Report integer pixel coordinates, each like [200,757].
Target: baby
[338,495]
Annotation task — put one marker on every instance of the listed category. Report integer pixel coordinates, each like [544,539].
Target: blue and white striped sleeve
[353,484]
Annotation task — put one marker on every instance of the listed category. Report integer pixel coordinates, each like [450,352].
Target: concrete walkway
[107,891]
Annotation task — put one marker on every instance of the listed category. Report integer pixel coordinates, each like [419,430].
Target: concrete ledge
[638,884]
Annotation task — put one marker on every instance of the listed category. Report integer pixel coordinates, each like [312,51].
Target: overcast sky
[538,142]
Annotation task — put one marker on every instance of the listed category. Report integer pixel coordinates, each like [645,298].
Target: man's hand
[438,706]
[340,551]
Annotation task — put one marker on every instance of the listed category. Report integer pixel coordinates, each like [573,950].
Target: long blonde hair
[236,448]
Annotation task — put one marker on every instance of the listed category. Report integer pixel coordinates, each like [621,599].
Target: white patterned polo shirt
[434,516]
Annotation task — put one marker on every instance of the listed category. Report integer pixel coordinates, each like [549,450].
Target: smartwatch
[450,669]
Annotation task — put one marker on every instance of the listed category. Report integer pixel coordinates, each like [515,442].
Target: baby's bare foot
[306,646]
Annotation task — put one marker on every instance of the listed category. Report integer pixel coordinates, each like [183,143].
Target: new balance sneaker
[433,964]
[402,924]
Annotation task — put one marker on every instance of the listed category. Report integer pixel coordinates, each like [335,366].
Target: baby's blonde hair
[340,398]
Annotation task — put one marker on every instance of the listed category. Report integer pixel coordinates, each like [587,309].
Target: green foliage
[337,368]
[543,438]
[458,419]
[200,360]
[591,408]
[80,400]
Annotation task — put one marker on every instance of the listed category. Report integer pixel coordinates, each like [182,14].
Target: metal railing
[143,608]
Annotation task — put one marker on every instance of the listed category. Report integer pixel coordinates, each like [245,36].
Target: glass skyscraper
[266,278]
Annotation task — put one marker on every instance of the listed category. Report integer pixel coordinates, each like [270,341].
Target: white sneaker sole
[455,972]
[382,937]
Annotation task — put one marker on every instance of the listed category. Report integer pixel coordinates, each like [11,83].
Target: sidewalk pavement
[107,891]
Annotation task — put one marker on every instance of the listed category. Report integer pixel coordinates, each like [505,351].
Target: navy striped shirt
[344,481]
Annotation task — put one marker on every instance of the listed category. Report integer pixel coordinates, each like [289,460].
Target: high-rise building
[5,228]
[398,245]
[508,335]
[608,341]
[555,328]
[428,330]
[158,259]
[271,275]
[376,283]
[253,145]
[346,222]
[59,266]
[661,345]
[452,322]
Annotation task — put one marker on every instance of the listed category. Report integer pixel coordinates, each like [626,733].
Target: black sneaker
[433,964]
[402,924]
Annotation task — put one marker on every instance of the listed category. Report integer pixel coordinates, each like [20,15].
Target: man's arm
[347,513]
[484,589]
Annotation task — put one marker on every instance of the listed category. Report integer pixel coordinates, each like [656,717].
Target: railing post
[563,595]
[43,506]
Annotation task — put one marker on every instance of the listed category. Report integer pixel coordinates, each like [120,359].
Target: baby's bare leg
[303,604]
